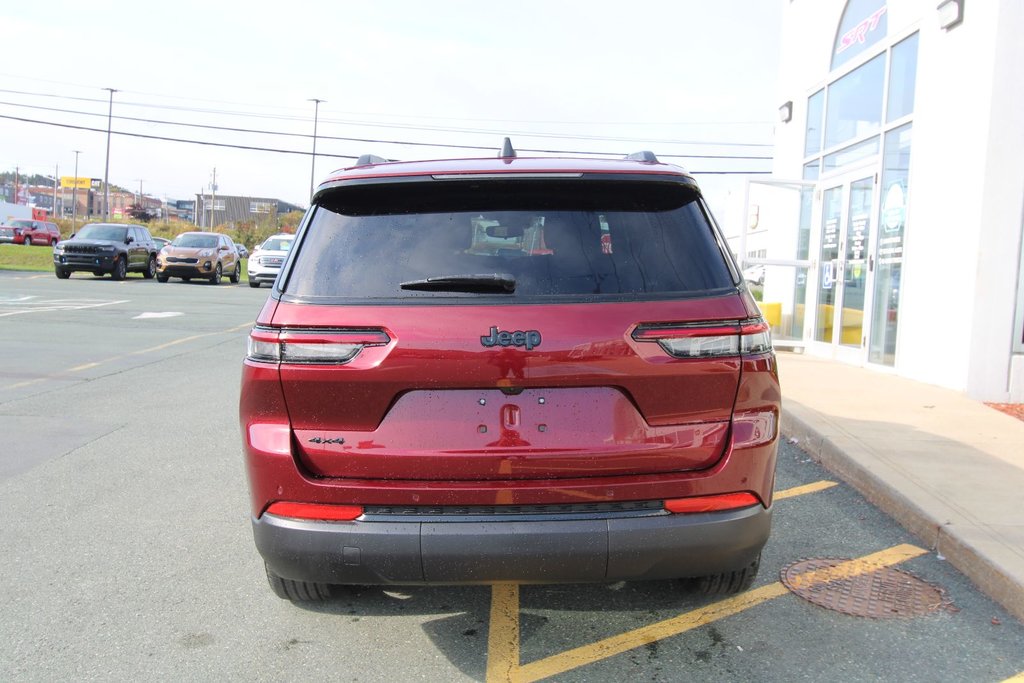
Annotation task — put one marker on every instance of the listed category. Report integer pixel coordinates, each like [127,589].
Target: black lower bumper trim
[579,550]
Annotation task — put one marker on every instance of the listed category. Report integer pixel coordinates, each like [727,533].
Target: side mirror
[71,236]
[129,239]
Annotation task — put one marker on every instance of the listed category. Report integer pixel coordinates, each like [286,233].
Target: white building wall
[990,374]
[954,87]
[960,277]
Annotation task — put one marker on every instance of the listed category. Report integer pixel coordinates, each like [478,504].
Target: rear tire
[150,270]
[162,278]
[297,591]
[728,583]
[53,242]
[255,284]
[27,242]
[62,274]
[237,275]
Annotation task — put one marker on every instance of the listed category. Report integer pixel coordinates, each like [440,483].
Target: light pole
[74,194]
[316,116]
[106,168]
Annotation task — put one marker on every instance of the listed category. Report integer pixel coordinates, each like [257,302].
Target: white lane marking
[163,314]
[49,305]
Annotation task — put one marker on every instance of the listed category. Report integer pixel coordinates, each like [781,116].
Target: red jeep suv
[509,369]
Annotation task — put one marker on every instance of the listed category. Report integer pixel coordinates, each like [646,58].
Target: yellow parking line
[609,647]
[1015,679]
[503,639]
[503,634]
[801,490]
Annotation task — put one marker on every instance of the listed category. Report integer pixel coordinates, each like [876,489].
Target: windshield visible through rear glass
[587,239]
[112,233]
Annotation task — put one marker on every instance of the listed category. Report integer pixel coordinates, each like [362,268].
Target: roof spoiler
[370,160]
[646,157]
[507,151]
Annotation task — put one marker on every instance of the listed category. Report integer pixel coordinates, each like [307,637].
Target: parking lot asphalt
[128,553]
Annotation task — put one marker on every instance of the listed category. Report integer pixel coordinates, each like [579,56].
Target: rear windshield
[590,239]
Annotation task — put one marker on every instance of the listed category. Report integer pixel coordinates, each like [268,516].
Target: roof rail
[507,151]
[370,159]
[645,156]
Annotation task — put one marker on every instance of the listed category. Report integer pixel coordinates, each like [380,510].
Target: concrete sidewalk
[949,469]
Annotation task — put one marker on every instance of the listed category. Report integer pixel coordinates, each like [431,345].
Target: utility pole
[106,169]
[316,117]
[138,202]
[213,198]
[56,174]
[74,194]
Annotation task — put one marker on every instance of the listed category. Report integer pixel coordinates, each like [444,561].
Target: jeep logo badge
[529,338]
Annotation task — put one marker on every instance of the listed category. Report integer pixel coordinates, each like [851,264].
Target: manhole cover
[878,593]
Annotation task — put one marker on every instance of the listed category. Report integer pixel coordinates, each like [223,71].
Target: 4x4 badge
[317,439]
[529,338]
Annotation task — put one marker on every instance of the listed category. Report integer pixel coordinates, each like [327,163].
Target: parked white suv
[266,260]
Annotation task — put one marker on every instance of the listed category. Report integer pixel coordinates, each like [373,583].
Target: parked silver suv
[266,260]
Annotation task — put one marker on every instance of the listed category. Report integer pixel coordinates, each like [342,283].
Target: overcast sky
[682,77]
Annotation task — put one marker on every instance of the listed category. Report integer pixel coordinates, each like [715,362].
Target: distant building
[219,209]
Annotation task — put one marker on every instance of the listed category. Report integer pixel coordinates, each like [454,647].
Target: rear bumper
[590,549]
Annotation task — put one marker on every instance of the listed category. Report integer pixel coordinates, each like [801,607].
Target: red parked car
[509,369]
[29,232]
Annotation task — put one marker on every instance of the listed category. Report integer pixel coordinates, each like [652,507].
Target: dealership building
[890,230]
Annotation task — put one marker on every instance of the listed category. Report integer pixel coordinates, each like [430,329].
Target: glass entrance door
[843,266]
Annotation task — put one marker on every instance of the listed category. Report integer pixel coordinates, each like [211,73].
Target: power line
[264,149]
[369,140]
[167,139]
[766,122]
[402,126]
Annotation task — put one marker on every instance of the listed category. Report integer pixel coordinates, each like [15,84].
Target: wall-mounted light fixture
[951,13]
[786,112]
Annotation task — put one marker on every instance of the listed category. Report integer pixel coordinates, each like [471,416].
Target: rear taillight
[715,503]
[708,340]
[315,511]
[318,347]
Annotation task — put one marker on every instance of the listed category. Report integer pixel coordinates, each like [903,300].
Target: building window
[863,24]
[1018,328]
[851,155]
[902,79]
[815,112]
[889,245]
[855,103]
[261,207]
[218,205]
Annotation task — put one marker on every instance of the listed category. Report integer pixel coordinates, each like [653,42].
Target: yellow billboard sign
[70,182]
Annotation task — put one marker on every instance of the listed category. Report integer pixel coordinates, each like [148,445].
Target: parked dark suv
[509,369]
[102,248]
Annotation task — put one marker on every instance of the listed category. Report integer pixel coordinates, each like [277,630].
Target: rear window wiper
[501,283]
